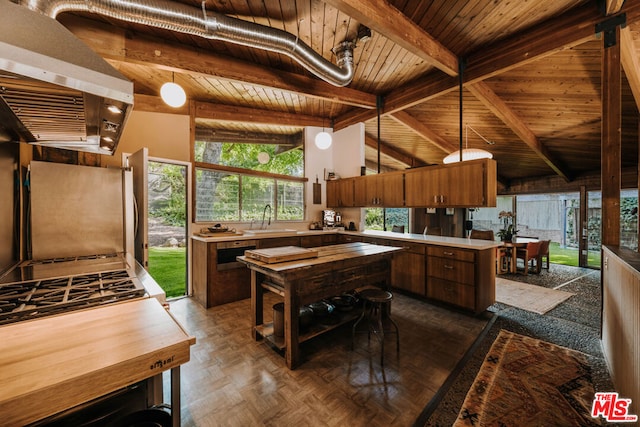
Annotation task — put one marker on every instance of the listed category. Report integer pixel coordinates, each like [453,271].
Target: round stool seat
[376,295]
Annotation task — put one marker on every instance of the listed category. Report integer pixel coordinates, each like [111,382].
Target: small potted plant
[508,232]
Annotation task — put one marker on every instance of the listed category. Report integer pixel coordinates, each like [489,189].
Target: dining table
[511,248]
[331,271]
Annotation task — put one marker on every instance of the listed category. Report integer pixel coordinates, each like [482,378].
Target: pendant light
[323,139]
[468,153]
[173,94]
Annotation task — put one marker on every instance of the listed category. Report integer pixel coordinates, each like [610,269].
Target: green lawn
[168,266]
[569,256]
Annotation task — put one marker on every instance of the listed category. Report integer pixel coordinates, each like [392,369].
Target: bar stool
[376,306]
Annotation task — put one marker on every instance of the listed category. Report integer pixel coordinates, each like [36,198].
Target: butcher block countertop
[55,363]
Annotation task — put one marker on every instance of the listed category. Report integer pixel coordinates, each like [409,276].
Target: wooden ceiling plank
[630,62]
[382,17]
[416,126]
[561,32]
[113,44]
[395,153]
[498,107]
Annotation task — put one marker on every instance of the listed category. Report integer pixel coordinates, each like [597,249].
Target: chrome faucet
[262,227]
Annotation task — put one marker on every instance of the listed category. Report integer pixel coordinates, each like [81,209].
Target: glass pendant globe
[323,140]
[173,94]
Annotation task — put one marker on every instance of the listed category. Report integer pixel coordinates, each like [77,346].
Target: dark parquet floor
[232,380]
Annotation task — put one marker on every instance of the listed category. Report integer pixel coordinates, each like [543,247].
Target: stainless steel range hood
[55,90]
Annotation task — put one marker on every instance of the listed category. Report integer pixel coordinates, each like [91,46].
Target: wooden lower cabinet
[215,284]
[462,277]
[276,242]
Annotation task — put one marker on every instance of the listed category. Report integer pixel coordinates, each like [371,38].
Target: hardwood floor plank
[233,380]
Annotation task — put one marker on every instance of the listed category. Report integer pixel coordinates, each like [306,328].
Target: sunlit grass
[569,256]
[168,267]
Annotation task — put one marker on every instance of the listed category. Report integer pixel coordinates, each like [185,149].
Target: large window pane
[257,193]
[290,201]
[217,196]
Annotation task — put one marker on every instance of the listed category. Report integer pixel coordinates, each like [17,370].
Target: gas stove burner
[38,298]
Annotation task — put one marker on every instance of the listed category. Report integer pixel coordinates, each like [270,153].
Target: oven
[226,253]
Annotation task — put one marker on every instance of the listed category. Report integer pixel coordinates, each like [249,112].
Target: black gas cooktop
[44,296]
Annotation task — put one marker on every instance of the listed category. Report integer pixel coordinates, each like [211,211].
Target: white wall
[344,157]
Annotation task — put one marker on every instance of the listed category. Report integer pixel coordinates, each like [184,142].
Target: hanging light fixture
[469,153]
[173,94]
[463,155]
[323,139]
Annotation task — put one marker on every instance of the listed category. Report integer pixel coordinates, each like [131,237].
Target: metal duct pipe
[200,22]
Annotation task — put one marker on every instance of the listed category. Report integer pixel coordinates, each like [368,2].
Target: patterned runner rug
[537,299]
[527,382]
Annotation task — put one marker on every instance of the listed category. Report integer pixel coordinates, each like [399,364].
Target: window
[236,181]
[385,218]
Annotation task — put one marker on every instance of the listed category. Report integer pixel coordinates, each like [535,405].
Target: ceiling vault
[504,73]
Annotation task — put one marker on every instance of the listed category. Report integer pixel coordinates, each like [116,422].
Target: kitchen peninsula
[456,271]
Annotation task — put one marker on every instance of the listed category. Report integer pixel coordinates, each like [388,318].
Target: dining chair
[481,234]
[543,254]
[528,254]
[398,228]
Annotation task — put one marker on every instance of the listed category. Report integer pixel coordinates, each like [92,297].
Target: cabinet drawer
[451,253]
[315,284]
[452,293]
[449,269]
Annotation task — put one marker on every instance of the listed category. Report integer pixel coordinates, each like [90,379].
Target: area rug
[524,381]
[537,299]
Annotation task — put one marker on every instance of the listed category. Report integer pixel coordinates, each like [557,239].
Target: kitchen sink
[272,231]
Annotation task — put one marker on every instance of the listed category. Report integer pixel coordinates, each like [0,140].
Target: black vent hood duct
[54,90]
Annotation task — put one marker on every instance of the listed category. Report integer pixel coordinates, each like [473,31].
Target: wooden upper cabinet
[340,193]
[465,184]
[379,190]
[459,185]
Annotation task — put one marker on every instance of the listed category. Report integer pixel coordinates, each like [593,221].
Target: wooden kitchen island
[336,269]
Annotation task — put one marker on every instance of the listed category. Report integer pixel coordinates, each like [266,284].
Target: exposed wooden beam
[416,126]
[610,154]
[229,113]
[155,104]
[112,43]
[390,151]
[630,62]
[289,141]
[497,106]
[382,17]
[613,6]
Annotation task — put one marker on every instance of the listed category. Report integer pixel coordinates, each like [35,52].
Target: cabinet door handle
[448,267]
[448,253]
